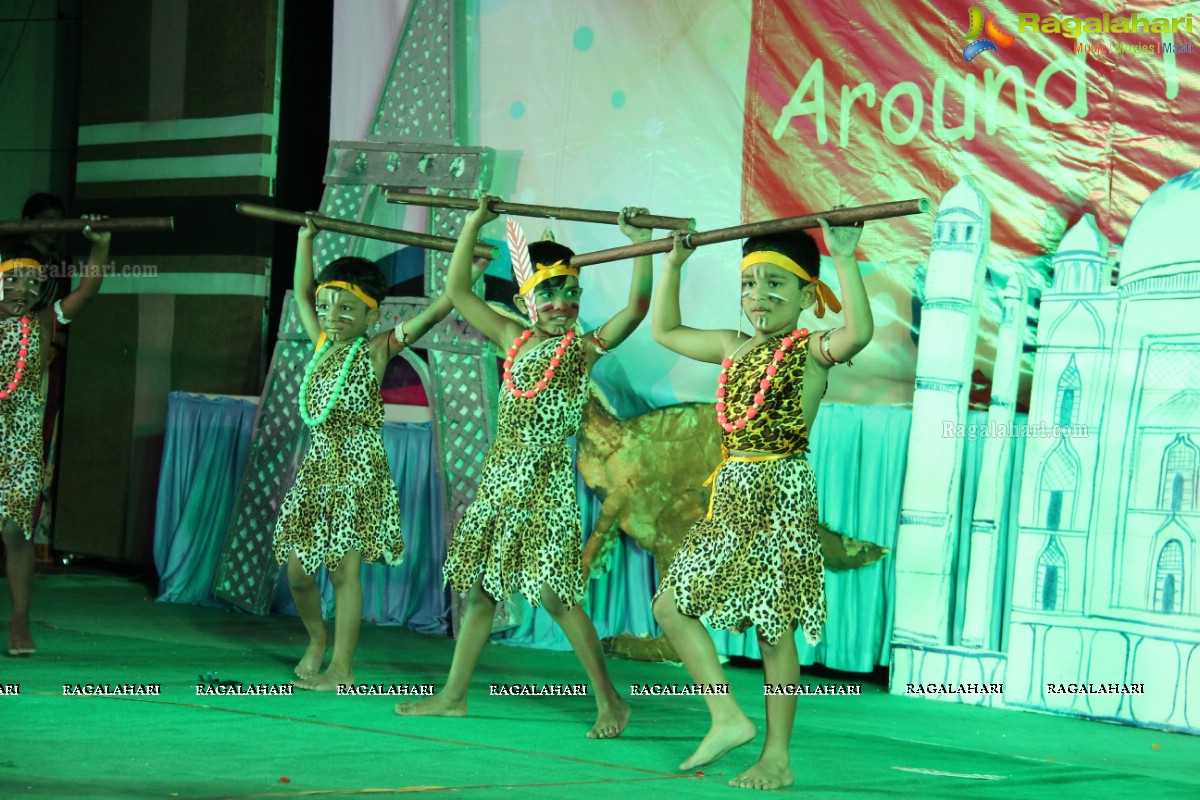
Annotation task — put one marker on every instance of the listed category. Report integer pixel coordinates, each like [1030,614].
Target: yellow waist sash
[725,459]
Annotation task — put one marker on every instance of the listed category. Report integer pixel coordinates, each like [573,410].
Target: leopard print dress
[523,529]
[21,436]
[344,497]
[756,561]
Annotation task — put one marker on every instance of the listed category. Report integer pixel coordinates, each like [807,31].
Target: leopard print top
[344,497]
[21,436]
[779,426]
[522,532]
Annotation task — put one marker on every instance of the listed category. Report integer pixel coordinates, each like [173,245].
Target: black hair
[359,272]
[37,203]
[548,253]
[797,245]
[19,248]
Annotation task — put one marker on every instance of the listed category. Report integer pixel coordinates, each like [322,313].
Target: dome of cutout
[1163,234]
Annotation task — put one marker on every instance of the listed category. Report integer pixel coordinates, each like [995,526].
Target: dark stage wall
[180,114]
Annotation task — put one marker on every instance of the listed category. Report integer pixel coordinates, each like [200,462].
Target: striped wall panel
[178,117]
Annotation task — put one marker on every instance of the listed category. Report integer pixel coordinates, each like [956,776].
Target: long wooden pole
[115,224]
[836,216]
[547,212]
[428,241]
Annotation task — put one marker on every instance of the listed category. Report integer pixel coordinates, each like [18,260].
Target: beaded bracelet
[58,312]
[402,339]
[599,343]
[825,350]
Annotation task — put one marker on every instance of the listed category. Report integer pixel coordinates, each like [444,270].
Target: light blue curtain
[204,455]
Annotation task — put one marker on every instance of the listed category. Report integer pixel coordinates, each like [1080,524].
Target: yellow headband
[352,289]
[825,296]
[544,272]
[18,263]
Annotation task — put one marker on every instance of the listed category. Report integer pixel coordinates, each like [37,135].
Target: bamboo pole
[115,224]
[324,223]
[547,212]
[836,216]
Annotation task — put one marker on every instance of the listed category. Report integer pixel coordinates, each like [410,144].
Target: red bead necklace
[763,386]
[511,385]
[21,356]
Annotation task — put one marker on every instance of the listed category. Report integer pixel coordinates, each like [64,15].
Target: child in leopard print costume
[755,561]
[343,508]
[26,333]
[522,532]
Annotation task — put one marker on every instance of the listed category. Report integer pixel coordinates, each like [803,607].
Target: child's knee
[296,576]
[664,608]
[346,573]
[14,539]
[552,602]
[479,598]
[783,645]
[299,580]
[342,577]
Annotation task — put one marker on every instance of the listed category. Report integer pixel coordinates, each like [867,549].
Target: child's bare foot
[610,720]
[20,641]
[769,773]
[721,738]
[310,662]
[440,705]
[327,681]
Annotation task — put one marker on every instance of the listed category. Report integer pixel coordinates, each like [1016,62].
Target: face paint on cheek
[776,298]
[346,317]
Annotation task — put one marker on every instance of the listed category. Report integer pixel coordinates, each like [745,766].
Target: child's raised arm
[93,272]
[475,311]
[666,324]
[623,323]
[841,345]
[303,288]
[385,346]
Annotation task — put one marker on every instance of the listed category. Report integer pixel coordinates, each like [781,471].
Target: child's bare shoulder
[733,340]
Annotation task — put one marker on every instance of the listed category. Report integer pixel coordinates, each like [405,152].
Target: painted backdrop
[731,111]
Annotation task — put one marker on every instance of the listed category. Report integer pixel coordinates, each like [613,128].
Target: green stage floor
[99,629]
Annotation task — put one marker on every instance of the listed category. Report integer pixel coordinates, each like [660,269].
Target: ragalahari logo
[984,34]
